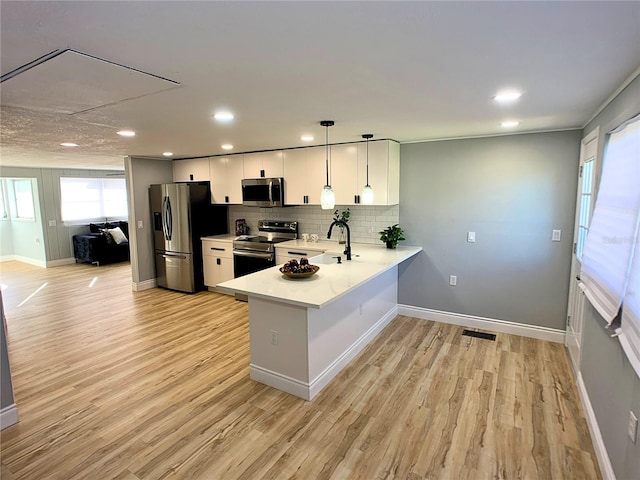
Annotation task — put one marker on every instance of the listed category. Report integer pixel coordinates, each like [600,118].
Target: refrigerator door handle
[169,255]
[167,224]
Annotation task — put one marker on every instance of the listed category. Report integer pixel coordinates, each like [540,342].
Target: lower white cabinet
[218,262]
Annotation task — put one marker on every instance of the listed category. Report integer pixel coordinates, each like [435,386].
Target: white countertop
[330,283]
[227,237]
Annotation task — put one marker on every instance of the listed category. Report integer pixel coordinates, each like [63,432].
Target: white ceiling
[409,71]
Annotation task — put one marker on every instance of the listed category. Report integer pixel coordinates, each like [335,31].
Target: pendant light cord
[327,151]
[367,161]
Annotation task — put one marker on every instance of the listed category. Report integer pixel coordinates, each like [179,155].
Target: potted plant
[343,217]
[392,235]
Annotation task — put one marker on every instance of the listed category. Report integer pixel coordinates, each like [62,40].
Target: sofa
[101,246]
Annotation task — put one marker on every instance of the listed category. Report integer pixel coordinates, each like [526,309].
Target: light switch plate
[453,280]
[471,237]
[139,224]
[52,223]
[556,235]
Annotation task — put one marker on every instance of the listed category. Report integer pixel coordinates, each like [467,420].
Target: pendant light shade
[327,197]
[367,191]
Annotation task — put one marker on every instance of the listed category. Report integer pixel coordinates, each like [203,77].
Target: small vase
[391,245]
[342,238]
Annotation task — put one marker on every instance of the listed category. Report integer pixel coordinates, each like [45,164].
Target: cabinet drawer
[217,249]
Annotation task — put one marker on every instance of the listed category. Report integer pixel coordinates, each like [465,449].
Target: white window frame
[98,216]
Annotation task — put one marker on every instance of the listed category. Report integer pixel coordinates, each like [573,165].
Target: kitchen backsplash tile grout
[312,219]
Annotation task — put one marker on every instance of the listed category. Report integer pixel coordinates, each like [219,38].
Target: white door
[584,208]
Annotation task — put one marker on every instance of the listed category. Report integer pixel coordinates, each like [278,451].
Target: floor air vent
[483,335]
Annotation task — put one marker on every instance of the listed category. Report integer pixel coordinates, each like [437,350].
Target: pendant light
[327,197]
[367,191]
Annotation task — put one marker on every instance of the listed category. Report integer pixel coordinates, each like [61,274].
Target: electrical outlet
[633,427]
[52,223]
[370,230]
[453,280]
[274,337]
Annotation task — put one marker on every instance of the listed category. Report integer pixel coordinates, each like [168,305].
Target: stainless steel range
[252,253]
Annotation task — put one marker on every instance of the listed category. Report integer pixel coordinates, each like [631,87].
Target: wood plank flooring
[113,384]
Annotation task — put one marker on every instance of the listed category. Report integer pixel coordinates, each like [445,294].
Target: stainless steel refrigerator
[182,213]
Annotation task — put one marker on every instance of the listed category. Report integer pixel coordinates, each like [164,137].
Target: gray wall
[57,244]
[611,383]
[512,191]
[6,392]
[140,173]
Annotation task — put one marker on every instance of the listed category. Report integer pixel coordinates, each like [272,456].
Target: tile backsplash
[365,221]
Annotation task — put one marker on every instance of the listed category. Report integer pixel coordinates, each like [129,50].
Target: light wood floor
[112,384]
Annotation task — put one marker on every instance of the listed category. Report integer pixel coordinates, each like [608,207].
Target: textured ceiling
[409,71]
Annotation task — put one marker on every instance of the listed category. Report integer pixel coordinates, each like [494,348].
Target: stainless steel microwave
[263,192]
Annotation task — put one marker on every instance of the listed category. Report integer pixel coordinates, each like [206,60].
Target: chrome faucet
[347,249]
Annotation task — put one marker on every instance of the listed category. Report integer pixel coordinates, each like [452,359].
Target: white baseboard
[7,258]
[279,381]
[145,285]
[606,469]
[8,416]
[30,261]
[62,261]
[308,391]
[491,324]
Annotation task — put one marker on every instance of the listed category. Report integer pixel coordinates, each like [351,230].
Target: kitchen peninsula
[303,332]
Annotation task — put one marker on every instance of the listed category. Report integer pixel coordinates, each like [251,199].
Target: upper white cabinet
[304,175]
[384,171]
[191,170]
[226,176]
[349,172]
[263,164]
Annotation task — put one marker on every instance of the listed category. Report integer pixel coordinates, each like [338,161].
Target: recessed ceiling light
[507,96]
[510,124]
[69,144]
[223,116]
[227,146]
[168,154]
[127,133]
[307,138]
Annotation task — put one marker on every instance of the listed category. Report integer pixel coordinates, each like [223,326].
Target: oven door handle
[265,256]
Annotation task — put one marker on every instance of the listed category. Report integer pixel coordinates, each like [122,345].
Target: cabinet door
[272,164]
[378,169]
[315,173]
[191,170]
[344,173]
[295,176]
[253,165]
[217,270]
[219,183]
[235,174]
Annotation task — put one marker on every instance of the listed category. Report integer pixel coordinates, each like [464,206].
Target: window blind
[611,261]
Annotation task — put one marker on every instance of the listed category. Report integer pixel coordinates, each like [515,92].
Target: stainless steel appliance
[182,213]
[263,192]
[257,252]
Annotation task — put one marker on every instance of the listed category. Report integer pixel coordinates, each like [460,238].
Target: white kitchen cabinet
[218,262]
[349,172]
[226,179]
[344,173]
[304,175]
[263,164]
[384,171]
[191,170]
[284,254]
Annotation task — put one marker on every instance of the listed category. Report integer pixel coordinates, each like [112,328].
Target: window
[611,266]
[23,195]
[586,198]
[4,214]
[86,199]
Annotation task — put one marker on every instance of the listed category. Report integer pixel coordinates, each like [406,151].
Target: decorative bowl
[300,275]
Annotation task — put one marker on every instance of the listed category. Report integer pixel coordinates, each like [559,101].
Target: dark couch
[98,247]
